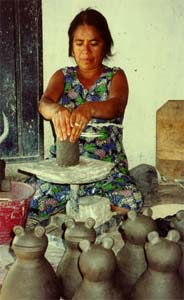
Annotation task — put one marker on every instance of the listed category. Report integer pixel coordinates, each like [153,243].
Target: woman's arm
[50,108]
[113,107]
[66,123]
[49,105]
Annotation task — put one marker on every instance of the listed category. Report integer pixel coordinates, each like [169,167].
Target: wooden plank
[170,139]
[171,169]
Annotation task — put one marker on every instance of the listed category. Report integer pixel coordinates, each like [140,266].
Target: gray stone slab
[88,170]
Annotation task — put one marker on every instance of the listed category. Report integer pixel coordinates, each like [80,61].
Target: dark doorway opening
[21,80]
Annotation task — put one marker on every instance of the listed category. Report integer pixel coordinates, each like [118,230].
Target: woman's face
[87,47]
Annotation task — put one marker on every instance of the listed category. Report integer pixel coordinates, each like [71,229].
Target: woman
[87,102]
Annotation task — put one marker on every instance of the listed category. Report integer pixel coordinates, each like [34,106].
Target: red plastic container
[14,210]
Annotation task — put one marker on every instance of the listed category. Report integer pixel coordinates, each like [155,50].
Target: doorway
[21,80]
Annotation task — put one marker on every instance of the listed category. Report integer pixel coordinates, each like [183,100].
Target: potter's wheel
[86,171]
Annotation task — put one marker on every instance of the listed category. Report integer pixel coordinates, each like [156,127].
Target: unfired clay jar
[67,153]
[31,276]
[177,222]
[97,264]
[161,280]
[131,261]
[68,271]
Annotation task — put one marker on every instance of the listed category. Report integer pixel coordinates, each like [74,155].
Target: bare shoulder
[57,76]
[120,75]
[57,79]
[119,81]
[55,86]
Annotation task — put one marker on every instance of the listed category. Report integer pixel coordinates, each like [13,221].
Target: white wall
[149,46]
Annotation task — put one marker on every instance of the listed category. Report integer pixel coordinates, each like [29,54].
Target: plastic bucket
[14,206]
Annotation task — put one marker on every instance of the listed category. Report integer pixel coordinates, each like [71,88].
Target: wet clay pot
[161,280]
[177,222]
[31,276]
[67,153]
[97,264]
[68,271]
[131,261]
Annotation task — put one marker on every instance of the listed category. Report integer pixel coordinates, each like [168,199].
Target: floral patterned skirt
[117,187]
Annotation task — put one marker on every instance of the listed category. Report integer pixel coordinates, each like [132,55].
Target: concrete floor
[171,200]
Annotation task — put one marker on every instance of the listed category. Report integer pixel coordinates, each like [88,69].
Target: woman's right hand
[61,122]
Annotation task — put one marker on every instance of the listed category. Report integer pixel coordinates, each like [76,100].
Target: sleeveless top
[101,139]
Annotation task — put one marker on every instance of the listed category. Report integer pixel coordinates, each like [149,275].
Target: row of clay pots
[146,267]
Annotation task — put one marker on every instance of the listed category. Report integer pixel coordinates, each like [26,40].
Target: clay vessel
[68,271]
[67,153]
[131,261]
[31,276]
[177,223]
[97,264]
[161,280]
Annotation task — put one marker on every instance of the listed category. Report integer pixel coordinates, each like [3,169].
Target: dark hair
[93,18]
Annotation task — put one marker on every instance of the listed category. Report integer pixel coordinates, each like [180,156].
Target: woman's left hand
[79,119]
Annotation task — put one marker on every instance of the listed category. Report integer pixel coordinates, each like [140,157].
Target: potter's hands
[67,124]
[61,122]
[79,119]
